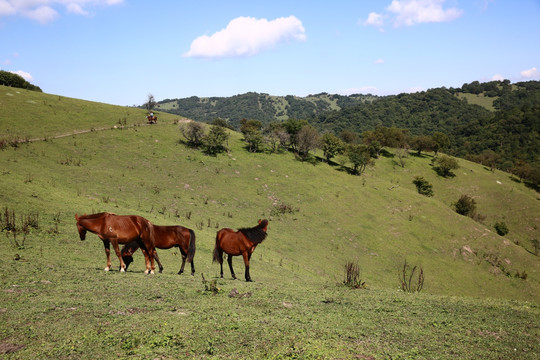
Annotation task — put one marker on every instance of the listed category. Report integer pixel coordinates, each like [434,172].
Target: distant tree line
[507,138]
[14,80]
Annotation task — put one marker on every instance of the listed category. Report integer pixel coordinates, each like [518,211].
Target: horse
[120,229]
[152,119]
[165,237]
[242,242]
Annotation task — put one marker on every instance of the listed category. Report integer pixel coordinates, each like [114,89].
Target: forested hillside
[262,107]
[495,123]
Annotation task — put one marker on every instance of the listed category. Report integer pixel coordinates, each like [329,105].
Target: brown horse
[165,237]
[242,242]
[152,119]
[120,229]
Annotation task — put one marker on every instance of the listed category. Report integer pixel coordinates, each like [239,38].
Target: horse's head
[80,228]
[263,224]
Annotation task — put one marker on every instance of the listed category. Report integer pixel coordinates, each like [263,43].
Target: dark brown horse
[120,229]
[166,237]
[242,242]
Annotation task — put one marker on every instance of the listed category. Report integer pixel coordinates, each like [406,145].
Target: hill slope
[378,219]
[58,303]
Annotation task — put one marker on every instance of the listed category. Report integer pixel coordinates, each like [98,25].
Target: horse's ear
[260,221]
[77,217]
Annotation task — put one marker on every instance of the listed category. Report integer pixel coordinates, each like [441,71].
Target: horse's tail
[217,254]
[191,248]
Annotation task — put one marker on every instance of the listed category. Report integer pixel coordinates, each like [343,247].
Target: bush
[501,228]
[408,282]
[423,186]
[466,206]
[352,276]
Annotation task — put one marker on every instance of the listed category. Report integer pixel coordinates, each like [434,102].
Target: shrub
[466,206]
[408,282]
[352,276]
[501,228]
[423,186]
[445,165]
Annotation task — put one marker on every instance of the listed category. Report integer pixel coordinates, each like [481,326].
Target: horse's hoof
[122,270]
[106,269]
[151,272]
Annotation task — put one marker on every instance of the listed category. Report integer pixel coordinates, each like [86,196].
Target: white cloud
[23,74]
[374,19]
[412,12]
[530,73]
[379,61]
[45,11]
[246,36]
[497,77]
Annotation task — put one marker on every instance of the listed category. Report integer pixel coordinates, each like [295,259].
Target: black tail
[217,254]
[191,248]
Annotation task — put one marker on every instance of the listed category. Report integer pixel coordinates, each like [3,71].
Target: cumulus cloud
[247,36]
[497,77]
[45,11]
[374,19]
[412,12]
[530,73]
[26,76]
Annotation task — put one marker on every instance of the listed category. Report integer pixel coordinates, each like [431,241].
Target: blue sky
[119,51]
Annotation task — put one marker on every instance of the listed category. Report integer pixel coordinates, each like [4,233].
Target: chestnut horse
[242,242]
[120,229]
[152,119]
[165,237]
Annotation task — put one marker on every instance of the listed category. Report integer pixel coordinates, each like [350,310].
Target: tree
[193,132]
[359,157]
[276,136]
[307,139]
[445,165]
[214,142]
[331,146]
[150,103]
[254,139]
[441,141]
[422,143]
[293,127]
[348,136]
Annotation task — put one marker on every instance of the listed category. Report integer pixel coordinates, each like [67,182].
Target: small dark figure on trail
[242,242]
[120,229]
[166,237]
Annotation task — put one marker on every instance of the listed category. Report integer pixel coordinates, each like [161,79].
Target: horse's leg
[229,260]
[107,245]
[192,268]
[159,262]
[119,254]
[147,261]
[246,257]
[183,264]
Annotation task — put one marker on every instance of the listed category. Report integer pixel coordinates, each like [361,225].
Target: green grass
[57,302]
[480,99]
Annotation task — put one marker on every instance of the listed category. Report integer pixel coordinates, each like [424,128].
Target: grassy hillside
[472,305]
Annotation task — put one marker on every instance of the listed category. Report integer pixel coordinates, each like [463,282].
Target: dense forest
[14,80]
[505,134]
[262,107]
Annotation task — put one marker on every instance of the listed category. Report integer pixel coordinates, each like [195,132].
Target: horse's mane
[94,216]
[255,234]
